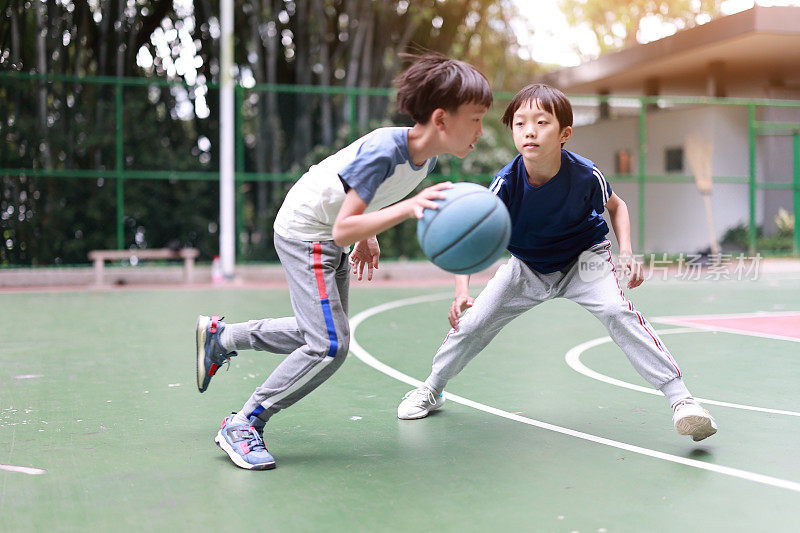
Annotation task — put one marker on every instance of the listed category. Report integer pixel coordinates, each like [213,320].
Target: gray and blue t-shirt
[377,166]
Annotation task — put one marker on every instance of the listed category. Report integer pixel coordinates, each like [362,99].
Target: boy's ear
[566,133]
[438,117]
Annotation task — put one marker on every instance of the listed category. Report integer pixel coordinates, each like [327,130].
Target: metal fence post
[120,163]
[239,170]
[751,134]
[642,170]
[796,191]
[351,118]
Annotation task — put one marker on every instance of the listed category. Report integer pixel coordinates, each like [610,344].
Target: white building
[750,55]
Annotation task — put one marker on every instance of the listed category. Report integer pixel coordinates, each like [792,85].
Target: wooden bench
[99,257]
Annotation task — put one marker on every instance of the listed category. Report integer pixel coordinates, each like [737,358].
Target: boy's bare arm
[621,222]
[462,300]
[353,224]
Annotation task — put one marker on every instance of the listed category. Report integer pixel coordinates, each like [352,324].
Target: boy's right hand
[460,304]
[425,198]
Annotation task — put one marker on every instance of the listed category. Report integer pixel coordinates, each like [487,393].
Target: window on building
[673,159]
[623,162]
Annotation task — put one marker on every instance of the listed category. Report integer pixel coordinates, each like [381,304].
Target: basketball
[468,232]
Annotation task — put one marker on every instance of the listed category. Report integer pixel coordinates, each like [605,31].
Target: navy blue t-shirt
[552,224]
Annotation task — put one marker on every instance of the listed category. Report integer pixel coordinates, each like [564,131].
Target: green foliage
[616,24]
[49,220]
[737,238]
[65,126]
[775,243]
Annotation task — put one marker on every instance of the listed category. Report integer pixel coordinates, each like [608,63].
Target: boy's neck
[423,143]
[543,170]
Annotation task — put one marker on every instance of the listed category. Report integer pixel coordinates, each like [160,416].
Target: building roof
[761,43]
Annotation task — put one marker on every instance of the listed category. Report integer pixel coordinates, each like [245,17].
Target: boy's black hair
[550,99]
[435,81]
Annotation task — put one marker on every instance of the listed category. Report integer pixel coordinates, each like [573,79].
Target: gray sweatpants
[316,338]
[590,282]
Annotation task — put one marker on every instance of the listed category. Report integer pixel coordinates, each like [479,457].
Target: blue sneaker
[244,445]
[210,353]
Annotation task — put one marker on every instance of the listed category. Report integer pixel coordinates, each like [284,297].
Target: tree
[354,43]
[70,125]
[616,24]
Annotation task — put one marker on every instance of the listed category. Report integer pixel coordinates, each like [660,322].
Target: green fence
[121,107]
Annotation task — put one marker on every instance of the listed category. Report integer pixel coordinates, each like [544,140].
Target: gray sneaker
[244,445]
[210,353]
[418,403]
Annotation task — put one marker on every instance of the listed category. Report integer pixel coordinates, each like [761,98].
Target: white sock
[431,386]
[682,399]
[240,419]
[235,337]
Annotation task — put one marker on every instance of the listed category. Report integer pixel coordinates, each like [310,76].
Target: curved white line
[573,359]
[365,357]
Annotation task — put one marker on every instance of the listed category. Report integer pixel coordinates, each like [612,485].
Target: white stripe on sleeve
[603,184]
[496,184]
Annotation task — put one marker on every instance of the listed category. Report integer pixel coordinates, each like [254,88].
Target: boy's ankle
[240,419]
[435,384]
[235,337]
[675,390]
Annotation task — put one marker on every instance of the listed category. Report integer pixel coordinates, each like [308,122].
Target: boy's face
[462,128]
[537,133]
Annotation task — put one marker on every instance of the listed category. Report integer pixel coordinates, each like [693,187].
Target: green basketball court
[102,427]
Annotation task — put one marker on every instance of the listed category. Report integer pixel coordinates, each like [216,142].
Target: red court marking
[774,325]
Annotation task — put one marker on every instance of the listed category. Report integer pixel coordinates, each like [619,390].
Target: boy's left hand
[632,268]
[365,252]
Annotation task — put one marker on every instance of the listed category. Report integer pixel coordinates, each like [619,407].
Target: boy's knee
[337,360]
[337,344]
[336,351]
[343,346]
[330,343]
[611,310]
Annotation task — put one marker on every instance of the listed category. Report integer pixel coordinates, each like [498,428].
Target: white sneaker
[690,418]
[418,403]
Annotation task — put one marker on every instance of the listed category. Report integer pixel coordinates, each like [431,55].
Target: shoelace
[227,361]
[681,403]
[253,439]
[421,395]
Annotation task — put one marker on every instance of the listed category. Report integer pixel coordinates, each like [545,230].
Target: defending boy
[559,249]
[338,202]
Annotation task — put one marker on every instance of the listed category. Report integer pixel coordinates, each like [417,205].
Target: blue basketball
[468,232]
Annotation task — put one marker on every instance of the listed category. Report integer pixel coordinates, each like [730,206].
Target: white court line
[365,357]
[23,469]
[758,314]
[573,359]
[686,321]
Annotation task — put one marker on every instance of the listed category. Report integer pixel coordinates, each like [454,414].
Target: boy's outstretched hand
[460,304]
[425,198]
[365,252]
[632,268]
